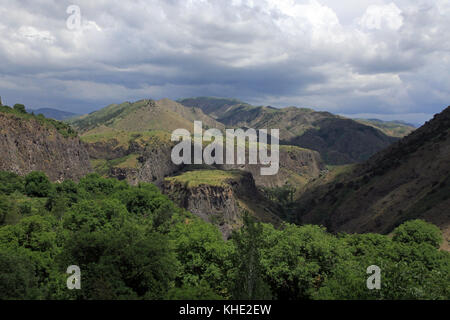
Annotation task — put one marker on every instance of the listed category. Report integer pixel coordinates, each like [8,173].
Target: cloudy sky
[389,59]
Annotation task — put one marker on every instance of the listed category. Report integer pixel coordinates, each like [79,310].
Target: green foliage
[17,279]
[201,292]
[296,259]
[20,108]
[10,182]
[418,231]
[249,283]
[7,208]
[143,268]
[93,186]
[37,184]
[19,111]
[408,271]
[284,196]
[147,201]
[132,242]
[202,253]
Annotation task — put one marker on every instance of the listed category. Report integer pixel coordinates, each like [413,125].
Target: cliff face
[222,204]
[29,146]
[134,162]
[297,167]
[214,204]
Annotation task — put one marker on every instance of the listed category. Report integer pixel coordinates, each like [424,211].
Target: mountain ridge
[302,127]
[408,180]
[54,113]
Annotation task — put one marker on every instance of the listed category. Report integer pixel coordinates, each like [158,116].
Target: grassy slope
[64,129]
[144,115]
[192,179]
[390,128]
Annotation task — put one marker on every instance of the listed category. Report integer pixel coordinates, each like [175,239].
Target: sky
[377,59]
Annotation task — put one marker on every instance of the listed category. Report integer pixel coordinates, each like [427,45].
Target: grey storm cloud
[350,57]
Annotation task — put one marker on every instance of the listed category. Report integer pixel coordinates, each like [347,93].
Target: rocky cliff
[29,145]
[298,166]
[135,157]
[220,197]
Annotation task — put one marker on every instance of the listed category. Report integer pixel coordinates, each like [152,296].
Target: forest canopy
[132,242]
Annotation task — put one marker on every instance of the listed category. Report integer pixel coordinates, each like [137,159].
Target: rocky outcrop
[224,204]
[297,167]
[153,162]
[157,164]
[214,204]
[108,150]
[27,145]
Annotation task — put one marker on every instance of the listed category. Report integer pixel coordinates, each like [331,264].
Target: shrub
[37,185]
[20,108]
[418,231]
[10,182]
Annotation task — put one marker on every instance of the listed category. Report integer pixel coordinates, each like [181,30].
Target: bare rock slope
[28,145]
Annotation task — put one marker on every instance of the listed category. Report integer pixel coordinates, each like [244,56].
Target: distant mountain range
[397,129]
[337,139]
[54,113]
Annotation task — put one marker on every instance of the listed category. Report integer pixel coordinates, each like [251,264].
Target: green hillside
[339,140]
[141,116]
[391,128]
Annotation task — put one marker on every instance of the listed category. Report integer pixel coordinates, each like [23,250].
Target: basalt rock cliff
[28,145]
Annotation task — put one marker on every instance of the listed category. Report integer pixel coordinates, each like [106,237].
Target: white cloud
[378,56]
[382,16]
[34,34]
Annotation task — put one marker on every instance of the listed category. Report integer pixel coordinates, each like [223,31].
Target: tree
[200,292]
[121,263]
[10,182]
[202,253]
[17,279]
[20,108]
[248,282]
[9,212]
[418,231]
[37,184]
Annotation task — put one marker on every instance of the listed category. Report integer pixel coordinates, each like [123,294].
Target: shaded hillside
[339,140]
[215,107]
[220,197]
[409,180]
[342,141]
[396,129]
[34,143]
